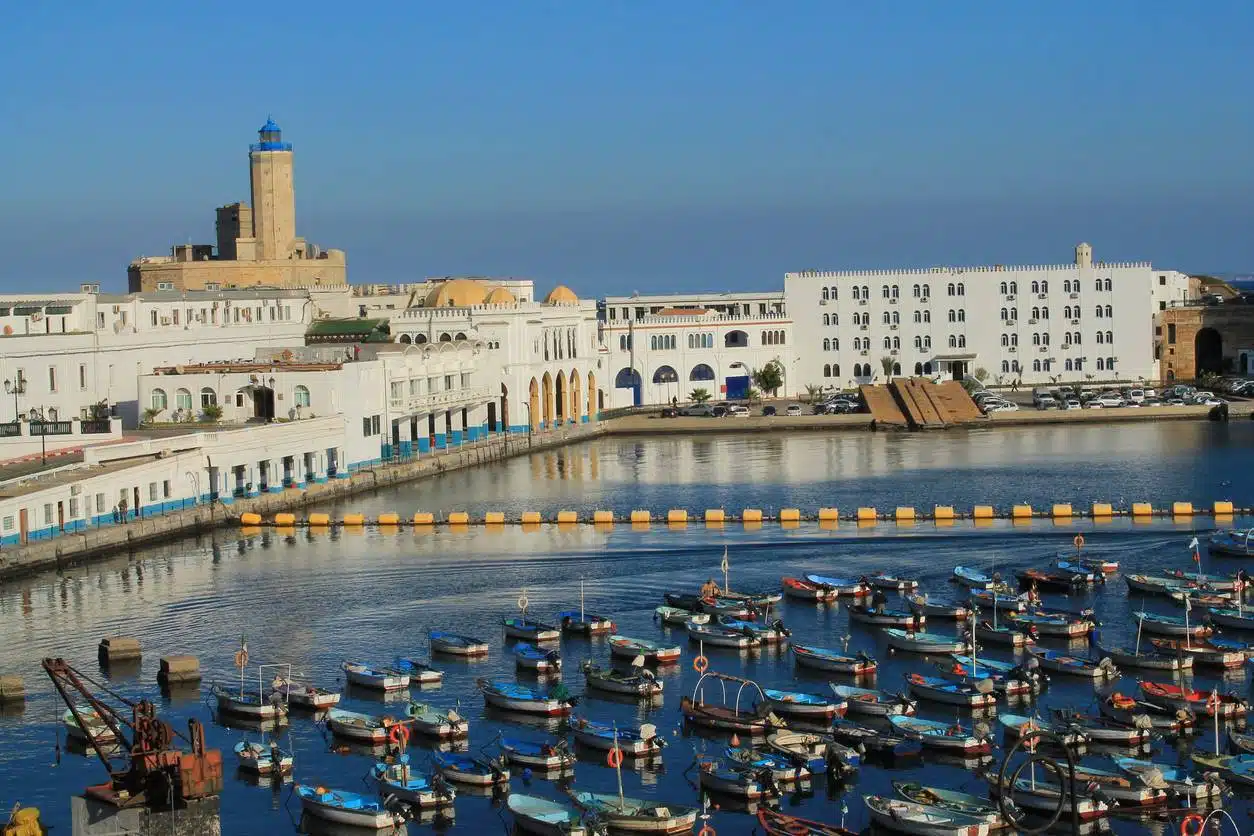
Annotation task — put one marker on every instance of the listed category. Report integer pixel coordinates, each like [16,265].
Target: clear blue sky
[619,146]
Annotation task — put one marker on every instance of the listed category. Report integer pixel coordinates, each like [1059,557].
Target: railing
[448,397]
[51,428]
[10,430]
[103,425]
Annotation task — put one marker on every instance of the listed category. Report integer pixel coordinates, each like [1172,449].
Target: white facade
[662,347]
[1068,323]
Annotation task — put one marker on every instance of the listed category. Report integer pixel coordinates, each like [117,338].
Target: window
[834,294]
[153,316]
[962,315]
[835,344]
[100,503]
[1108,287]
[1098,311]
[918,343]
[1100,338]
[953,317]
[1003,289]
[239,400]
[1014,339]
[916,291]
[208,397]
[1036,287]
[165,489]
[1099,284]
[887,318]
[1036,365]
[927,342]
[52,378]
[365,426]
[9,522]
[857,292]
[1005,315]
[1005,340]
[1014,288]
[918,317]
[827,345]
[951,288]
[927,316]
[896,292]
[374,425]
[1075,337]
[1044,286]
[926,292]
[48,513]
[953,341]
[1066,365]
[825,294]
[1014,314]
[1110,337]
[82,375]
[896,318]
[1044,313]
[885,292]
[888,343]
[1005,367]
[962,340]
[827,370]
[1045,339]
[1171,333]
[962,289]
[1101,364]
[158,399]
[1110,312]
[152,491]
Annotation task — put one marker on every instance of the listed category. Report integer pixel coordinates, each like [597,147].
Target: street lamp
[15,389]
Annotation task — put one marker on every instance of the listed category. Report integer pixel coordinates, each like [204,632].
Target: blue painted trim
[583,419]
[424,445]
[457,438]
[407,448]
[299,485]
[276,489]
[441,440]
[321,480]
[518,428]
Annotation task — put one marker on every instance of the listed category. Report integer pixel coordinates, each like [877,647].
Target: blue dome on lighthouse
[270,138]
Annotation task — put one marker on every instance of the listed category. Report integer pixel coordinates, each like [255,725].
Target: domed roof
[456,293]
[500,296]
[561,295]
[269,127]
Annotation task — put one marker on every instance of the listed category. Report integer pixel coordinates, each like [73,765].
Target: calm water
[316,599]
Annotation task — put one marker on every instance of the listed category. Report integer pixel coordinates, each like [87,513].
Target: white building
[1080,322]
[662,347]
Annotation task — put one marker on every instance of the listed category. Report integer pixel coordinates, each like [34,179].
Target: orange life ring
[398,735]
[705,830]
[1212,704]
[700,664]
[1079,541]
[1185,825]
[614,758]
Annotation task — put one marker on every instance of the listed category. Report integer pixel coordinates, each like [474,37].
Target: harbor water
[316,599]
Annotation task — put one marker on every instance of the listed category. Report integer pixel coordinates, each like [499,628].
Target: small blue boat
[972,578]
[987,667]
[936,689]
[803,706]
[586,623]
[632,742]
[1232,542]
[1235,768]
[1059,662]
[345,807]
[531,630]
[408,785]
[1171,625]
[1236,619]
[1080,572]
[1231,645]
[510,696]
[843,586]
[1196,788]
[418,672]
[941,735]
[531,658]
[455,644]
[546,756]
[784,769]
[474,770]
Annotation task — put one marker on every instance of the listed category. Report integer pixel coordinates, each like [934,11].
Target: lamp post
[43,434]
[528,405]
[15,389]
[272,398]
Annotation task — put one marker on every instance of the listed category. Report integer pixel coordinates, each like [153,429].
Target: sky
[643,146]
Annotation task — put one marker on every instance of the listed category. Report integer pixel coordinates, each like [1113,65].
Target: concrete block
[1061,511]
[12,689]
[905,514]
[1021,512]
[1142,509]
[602,517]
[285,519]
[118,648]
[1182,509]
[179,668]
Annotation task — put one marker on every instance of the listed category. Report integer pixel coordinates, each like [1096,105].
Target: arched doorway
[592,388]
[630,379]
[561,408]
[576,405]
[701,372]
[533,414]
[546,405]
[1208,350]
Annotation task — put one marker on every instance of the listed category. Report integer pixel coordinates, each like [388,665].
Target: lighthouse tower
[273,195]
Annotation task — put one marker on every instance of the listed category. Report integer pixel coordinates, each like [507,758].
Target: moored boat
[1059,662]
[736,780]
[1211,651]
[1235,619]
[546,756]
[261,759]
[419,672]
[842,586]
[631,648]
[1009,636]
[1019,725]
[409,785]
[434,722]
[903,816]
[251,706]
[509,696]
[718,636]
[92,731]
[1146,660]
[886,617]
[783,768]
[923,642]
[986,599]
[1152,584]
[1102,730]
[1219,583]
[936,689]
[804,590]
[541,816]
[731,607]
[1125,791]
[365,676]
[642,742]
[528,657]
[972,578]
[775,823]
[363,728]
[455,644]
[584,623]
[954,802]
[1040,796]
[1049,579]
[679,617]
[308,697]
[804,706]
[1198,790]
[1235,769]
[345,807]
[471,770]
[1055,626]
[819,752]
[822,659]
[886,580]
[640,682]
[768,633]
[746,716]
[1232,542]
[530,630]
[1198,701]
[948,736]
[1171,625]
[874,743]
[631,815]
[872,703]
[937,609]
[1078,571]
[1010,680]
[1132,713]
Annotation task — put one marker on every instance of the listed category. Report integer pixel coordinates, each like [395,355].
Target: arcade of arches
[553,400]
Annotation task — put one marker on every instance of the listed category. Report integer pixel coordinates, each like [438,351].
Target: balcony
[436,401]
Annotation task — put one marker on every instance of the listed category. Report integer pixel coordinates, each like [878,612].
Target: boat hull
[377,681]
[372,819]
[551,708]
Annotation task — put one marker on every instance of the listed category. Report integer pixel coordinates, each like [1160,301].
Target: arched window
[896,368]
[1036,365]
[962,340]
[1079,364]
[835,319]
[1003,289]
[857,293]
[962,289]
[1110,312]
[951,288]
[1099,284]
[1101,338]
[827,367]
[622,342]
[896,292]
[1101,364]
[884,291]
[1036,287]
[1005,367]
[953,341]
[1044,313]
[896,318]
[653,342]
[691,344]
[927,291]
[208,397]
[1108,287]
[835,369]
[405,340]
[183,399]
[1014,339]
[826,320]
[301,395]
[916,291]
[1044,286]
[1075,337]
[1110,364]
[1066,338]
[953,317]
[825,295]
[1005,340]
[421,339]
[701,372]
[1005,315]
[1110,337]
[834,293]
[918,343]
[1045,338]
[866,292]
[835,344]
[1036,339]
[1015,367]
[1014,288]
[158,399]
[887,318]
[1036,313]
[927,341]
[1014,314]
[460,336]
[1098,311]
[918,317]
[448,338]
[888,343]
[896,343]
[827,345]
[918,369]
[962,315]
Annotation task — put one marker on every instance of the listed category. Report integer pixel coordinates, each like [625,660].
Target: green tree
[699,395]
[812,392]
[886,363]
[981,374]
[769,378]
[753,394]
[212,413]
[150,414]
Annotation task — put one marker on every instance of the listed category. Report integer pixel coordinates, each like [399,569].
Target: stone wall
[1178,361]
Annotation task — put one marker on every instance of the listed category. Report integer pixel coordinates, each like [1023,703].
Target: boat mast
[1140,622]
[725,566]
[618,770]
[581,616]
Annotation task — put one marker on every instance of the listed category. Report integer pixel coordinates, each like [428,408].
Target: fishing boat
[1125,791]
[1145,660]
[1241,741]
[842,586]
[419,673]
[308,697]
[746,716]
[1231,542]
[955,802]
[1235,769]
[1019,725]
[1211,651]
[1171,625]
[547,756]
[1048,579]
[543,817]
[1102,730]
[528,657]
[1002,602]
[683,601]
[731,607]
[410,786]
[1009,636]
[530,630]
[871,703]
[1078,571]
[1059,662]
[757,600]
[509,696]
[93,731]
[583,623]
[903,816]
[1053,626]
[434,722]
[1198,790]
[1016,681]
[887,618]
[626,647]
[822,659]
[1235,619]
[937,609]
[716,635]
[804,706]
[972,578]
[784,769]
[948,736]
[923,642]
[455,644]
[642,742]
[819,752]
[736,780]
[874,743]
[803,590]
[1197,598]
[678,617]
[775,823]
[471,770]
[1097,564]
[886,580]
[640,682]
[345,807]
[365,676]
[1195,700]
[1152,585]
[772,633]
[623,814]
[1219,583]
[261,759]
[364,728]
[936,689]
[1133,713]
[1041,796]
[250,706]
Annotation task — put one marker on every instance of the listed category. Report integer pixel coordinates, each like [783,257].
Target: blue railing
[270,146]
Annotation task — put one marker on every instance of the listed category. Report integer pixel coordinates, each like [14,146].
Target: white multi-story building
[662,347]
[1080,322]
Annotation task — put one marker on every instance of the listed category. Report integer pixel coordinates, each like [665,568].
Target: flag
[1193,544]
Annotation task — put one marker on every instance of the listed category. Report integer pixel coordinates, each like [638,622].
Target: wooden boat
[365,676]
[632,815]
[735,780]
[756,600]
[1102,730]
[1237,619]
[308,697]
[744,716]
[901,816]
[803,590]
[509,696]
[819,752]
[733,607]
[545,756]
[887,618]
[954,801]
[1199,702]
[1235,769]
[642,742]
[986,599]
[783,768]
[1209,651]
[1018,725]
[1241,741]
[1146,660]
[434,722]
[683,601]
[1049,579]
[1097,564]
[584,623]
[842,586]
[677,617]
[94,731]
[717,636]
[250,706]
[344,807]
[1059,662]
[455,644]
[1219,583]
[541,816]
[1231,542]
[1154,585]
[936,689]
[804,706]
[822,659]
[531,630]
[772,633]
[1017,681]
[1053,626]
[1041,797]
[261,759]
[1078,571]
[1126,711]
[972,578]
[411,786]
[871,703]
[471,770]
[419,672]
[1171,625]
[948,736]
[640,682]
[1125,791]
[874,742]
[1199,790]
[937,609]
[1199,599]
[528,657]
[775,823]
[1002,634]
[923,642]
[364,728]
[884,580]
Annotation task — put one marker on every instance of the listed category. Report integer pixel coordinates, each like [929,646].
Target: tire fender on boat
[1186,826]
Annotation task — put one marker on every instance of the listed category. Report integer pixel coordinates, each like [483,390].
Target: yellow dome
[561,295]
[457,293]
[500,296]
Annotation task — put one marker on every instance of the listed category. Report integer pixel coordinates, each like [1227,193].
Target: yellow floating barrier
[424,518]
[390,518]
[1061,510]
[530,518]
[1142,509]
[1182,509]
[983,512]
[905,514]
[640,515]
[677,515]
[790,515]
[943,512]
[458,518]
[285,519]
[829,514]
[568,516]
[1021,512]
[602,517]
[353,519]
[319,520]
[1223,506]
[1103,509]
[751,515]
[494,518]
[866,514]
[249,518]
[714,515]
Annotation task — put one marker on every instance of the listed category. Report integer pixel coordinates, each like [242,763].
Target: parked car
[698,411]
[1044,400]
[1071,403]
[1002,406]
[719,412]
[669,412]
[794,409]
[738,411]
[768,410]
[1107,400]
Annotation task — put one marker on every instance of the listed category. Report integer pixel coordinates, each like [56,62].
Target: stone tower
[1083,255]
[273,195]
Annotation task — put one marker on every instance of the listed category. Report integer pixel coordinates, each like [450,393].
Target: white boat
[908,817]
[531,630]
[250,706]
[804,706]
[629,648]
[546,757]
[308,697]
[472,770]
[97,731]
[823,659]
[633,815]
[938,735]
[735,780]
[262,759]
[640,682]
[679,617]
[972,578]
[716,636]
[937,609]
[401,780]
[344,807]
[364,728]
[455,644]
[872,703]
[365,676]
[643,742]
[528,657]
[419,673]
[544,817]
[884,580]
[936,689]
[509,696]
[433,722]
[924,642]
